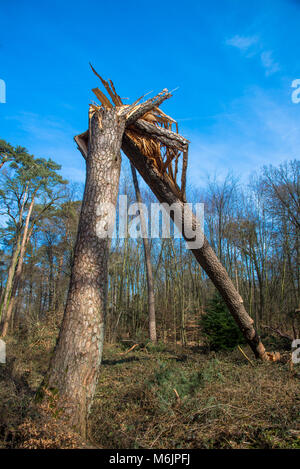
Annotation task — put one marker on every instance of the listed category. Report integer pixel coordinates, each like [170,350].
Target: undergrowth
[158,397]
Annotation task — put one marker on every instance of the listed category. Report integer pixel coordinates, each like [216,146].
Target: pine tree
[219,327]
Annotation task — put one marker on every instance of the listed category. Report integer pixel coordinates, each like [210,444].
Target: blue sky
[233,61]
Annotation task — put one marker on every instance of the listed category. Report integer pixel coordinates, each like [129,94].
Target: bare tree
[204,255]
[147,254]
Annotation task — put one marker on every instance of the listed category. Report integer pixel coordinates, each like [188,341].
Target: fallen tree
[155,150]
[204,255]
[145,134]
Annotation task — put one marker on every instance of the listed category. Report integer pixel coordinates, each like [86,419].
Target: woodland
[146,343]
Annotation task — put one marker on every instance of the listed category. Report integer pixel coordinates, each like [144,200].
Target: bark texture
[73,371]
[9,284]
[8,309]
[11,270]
[204,255]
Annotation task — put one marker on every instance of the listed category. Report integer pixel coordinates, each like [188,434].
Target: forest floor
[162,397]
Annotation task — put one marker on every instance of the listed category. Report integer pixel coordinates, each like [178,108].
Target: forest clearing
[149,263]
[196,386]
[223,403]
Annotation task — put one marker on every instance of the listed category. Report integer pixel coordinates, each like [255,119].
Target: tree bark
[8,309]
[147,252]
[13,262]
[204,255]
[72,375]
[9,283]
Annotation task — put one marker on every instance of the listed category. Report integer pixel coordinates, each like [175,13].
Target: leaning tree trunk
[205,254]
[72,375]
[147,252]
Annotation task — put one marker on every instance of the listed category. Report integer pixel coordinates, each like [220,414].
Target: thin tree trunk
[51,280]
[73,371]
[147,252]
[204,255]
[58,288]
[13,262]
[2,162]
[7,311]
[9,282]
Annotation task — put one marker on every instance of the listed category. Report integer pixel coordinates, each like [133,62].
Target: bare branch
[277,331]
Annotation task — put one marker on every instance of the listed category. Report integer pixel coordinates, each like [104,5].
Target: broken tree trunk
[205,254]
[72,375]
[70,382]
[154,150]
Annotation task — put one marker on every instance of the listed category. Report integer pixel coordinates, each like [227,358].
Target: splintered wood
[152,132]
[160,155]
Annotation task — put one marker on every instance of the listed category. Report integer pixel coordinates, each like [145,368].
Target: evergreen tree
[219,327]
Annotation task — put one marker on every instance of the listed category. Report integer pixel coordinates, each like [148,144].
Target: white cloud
[43,128]
[256,130]
[242,42]
[269,63]
[250,46]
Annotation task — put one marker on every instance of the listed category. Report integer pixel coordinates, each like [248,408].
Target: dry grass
[223,401]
